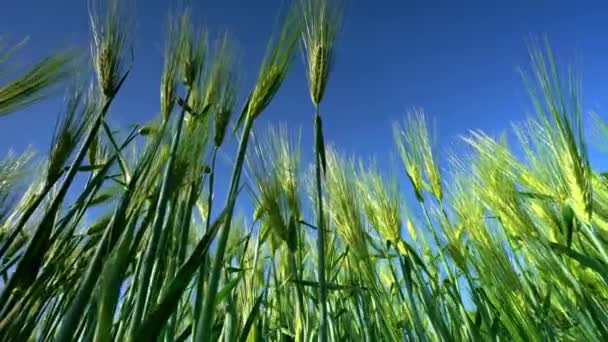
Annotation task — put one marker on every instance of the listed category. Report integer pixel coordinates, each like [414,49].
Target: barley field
[120,235]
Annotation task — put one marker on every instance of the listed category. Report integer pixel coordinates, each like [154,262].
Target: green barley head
[495,184]
[414,142]
[322,22]
[467,207]
[541,171]
[381,203]
[111,39]
[560,111]
[185,51]
[13,168]
[171,64]
[80,107]
[276,64]
[288,165]
[192,48]
[410,160]
[412,230]
[345,205]
[37,82]
[191,150]
[220,88]
[275,168]
[456,246]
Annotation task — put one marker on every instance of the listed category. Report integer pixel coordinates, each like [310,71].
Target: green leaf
[36,83]
[241,120]
[534,195]
[320,142]
[569,222]
[111,279]
[221,295]
[251,318]
[584,260]
[88,168]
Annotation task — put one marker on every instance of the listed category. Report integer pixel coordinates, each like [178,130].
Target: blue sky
[456,59]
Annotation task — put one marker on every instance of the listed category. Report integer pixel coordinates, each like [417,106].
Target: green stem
[300,313]
[201,272]
[210,195]
[407,269]
[394,274]
[121,162]
[160,269]
[157,225]
[447,220]
[321,227]
[230,318]
[150,328]
[444,261]
[186,223]
[205,322]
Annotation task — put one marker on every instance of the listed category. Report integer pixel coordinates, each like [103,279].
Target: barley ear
[275,66]
[221,88]
[560,110]
[110,43]
[192,49]
[322,23]
[168,82]
[36,83]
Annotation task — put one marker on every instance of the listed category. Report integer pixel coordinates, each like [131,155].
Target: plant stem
[300,313]
[201,272]
[157,225]
[321,226]
[121,162]
[203,330]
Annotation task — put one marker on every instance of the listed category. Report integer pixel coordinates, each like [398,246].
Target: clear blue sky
[456,59]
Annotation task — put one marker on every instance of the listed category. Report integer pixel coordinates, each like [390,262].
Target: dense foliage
[494,246]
